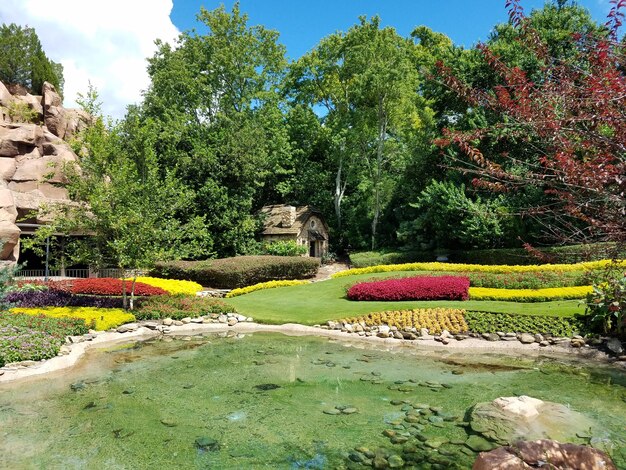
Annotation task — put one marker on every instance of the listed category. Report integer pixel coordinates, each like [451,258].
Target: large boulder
[33,159]
[509,419]
[63,123]
[544,454]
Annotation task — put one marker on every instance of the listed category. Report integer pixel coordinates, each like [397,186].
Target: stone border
[78,346]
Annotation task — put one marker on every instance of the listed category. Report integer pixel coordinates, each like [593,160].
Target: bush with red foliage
[413,288]
[103,286]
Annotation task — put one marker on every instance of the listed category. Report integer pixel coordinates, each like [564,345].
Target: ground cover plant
[530,295]
[28,337]
[435,319]
[264,285]
[412,288]
[97,318]
[105,286]
[172,286]
[56,298]
[239,271]
[488,322]
[578,267]
[177,307]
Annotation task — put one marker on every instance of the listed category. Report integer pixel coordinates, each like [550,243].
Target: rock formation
[543,454]
[33,155]
[509,419]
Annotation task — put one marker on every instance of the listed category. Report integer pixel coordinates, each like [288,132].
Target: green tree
[125,207]
[367,79]
[23,61]
[214,108]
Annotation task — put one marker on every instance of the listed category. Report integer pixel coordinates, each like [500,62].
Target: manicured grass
[322,301]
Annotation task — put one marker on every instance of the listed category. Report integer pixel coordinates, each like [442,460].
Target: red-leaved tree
[573,118]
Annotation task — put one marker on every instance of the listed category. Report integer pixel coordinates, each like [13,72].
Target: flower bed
[484,322]
[54,298]
[33,338]
[435,319]
[587,266]
[412,288]
[172,286]
[97,318]
[103,286]
[177,307]
[264,285]
[530,295]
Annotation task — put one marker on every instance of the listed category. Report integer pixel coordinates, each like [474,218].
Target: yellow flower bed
[530,295]
[97,318]
[452,267]
[435,319]
[172,286]
[264,285]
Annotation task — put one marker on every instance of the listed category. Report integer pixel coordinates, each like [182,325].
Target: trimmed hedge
[530,295]
[412,288]
[520,256]
[241,271]
[484,322]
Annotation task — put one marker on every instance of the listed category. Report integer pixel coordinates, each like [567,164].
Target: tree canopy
[23,61]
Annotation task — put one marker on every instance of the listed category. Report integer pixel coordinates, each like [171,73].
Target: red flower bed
[413,288]
[103,286]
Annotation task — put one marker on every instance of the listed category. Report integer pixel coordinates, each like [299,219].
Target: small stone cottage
[305,225]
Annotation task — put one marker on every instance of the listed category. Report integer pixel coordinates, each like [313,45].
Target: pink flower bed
[413,288]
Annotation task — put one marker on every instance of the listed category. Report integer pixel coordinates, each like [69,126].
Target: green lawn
[321,301]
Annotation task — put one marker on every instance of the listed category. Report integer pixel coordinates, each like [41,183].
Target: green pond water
[275,401]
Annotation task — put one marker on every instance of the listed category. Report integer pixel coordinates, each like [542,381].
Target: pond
[268,400]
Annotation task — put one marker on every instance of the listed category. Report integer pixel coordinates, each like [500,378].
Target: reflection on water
[274,401]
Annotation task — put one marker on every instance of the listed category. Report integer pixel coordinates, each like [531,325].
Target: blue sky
[302,23]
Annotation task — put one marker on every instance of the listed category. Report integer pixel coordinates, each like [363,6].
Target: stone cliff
[34,135]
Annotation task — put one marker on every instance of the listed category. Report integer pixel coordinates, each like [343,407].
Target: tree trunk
[132,292]
[380,148]
[124,297]
[340,189]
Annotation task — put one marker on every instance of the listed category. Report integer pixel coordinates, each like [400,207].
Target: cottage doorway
[312,249]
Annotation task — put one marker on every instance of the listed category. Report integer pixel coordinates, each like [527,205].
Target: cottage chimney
[288,217]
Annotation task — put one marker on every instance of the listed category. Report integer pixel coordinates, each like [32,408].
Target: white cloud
[105,42]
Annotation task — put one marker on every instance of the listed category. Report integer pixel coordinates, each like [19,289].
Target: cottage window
[312,224]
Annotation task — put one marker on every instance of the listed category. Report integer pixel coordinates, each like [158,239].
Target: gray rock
[509,419]
[479,444]
[526,338]
[424,332]
[493,337]
[544,343]
[222,319]
[197,320]
[168,322]
[178,323]
[151,325]
[615,346]
[539,338]
[129,327]
[232,322]
[186,320]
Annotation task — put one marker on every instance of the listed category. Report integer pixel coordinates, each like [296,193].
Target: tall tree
[23,61]
[214,106]
[367,81]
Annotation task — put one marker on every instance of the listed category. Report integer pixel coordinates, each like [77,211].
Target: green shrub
[284,248]
[21,112]
[177,307]
[485,322]
[510,256]
[606,305]
[240,271]
[376,258]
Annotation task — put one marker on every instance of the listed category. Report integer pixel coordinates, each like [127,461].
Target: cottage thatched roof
[273,219]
